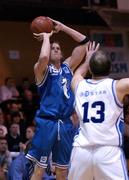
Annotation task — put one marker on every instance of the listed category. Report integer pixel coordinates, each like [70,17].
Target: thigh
[81,164]
[43,141]
[63,145]
[110,164]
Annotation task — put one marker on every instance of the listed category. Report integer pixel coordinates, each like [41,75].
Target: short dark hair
[57,42]
[100,64]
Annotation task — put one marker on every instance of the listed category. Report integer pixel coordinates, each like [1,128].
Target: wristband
[84,41]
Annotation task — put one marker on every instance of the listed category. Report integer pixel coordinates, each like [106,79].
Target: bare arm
[122,88]
[82,70]
[77,36]
[41,65]
[76,58]
[79,52]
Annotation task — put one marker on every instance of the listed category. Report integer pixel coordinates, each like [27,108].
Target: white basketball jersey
[100,113]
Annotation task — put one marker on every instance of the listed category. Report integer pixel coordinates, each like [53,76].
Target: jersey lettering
[65,88]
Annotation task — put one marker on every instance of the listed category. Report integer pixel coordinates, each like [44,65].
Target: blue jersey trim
[124,165]
[119,104]
[118,124]
[89,81]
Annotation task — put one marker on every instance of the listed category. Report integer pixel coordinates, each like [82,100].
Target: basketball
[41,24]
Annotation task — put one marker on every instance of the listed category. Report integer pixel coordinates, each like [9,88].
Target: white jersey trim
[118,130]
[44,78]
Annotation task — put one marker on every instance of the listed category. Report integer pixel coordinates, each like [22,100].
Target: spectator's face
[29,133]
[3,145]
[28,95]
[26,84]
[16,119]
[14,129]
[14,107]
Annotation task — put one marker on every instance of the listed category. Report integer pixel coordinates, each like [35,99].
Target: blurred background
[106,21]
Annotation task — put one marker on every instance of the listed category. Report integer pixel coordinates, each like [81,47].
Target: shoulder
[122,87]
[65,66]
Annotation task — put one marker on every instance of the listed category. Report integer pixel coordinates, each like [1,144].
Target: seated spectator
[29,105]
[5,157]
[29,134]
[21,168]
[2,132]
[14,107]
[3,128]
[8,90]
[26,85]
[13,138]
[18,119]
[11,107]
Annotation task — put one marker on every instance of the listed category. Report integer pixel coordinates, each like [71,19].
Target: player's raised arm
[43,60]
[77,36]
[79,52]
[82,70]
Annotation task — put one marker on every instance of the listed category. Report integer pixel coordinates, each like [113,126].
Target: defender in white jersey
[97,152]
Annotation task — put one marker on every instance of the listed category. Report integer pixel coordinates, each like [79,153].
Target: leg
[61,174]
[38,173]
[108,159]
[63,146]
[81,164]
[41,148]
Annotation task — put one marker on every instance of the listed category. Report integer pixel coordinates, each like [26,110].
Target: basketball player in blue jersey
[55,131]
[97,152]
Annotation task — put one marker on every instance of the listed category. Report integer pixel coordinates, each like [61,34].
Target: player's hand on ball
[40,36]
[57,25]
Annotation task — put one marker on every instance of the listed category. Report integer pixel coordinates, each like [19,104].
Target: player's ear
[62,56]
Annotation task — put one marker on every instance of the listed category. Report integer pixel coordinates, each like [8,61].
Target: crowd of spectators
[18,105]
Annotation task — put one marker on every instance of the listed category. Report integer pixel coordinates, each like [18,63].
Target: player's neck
[99,77]
[56,65]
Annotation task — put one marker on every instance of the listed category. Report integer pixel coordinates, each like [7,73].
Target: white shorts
[98,163]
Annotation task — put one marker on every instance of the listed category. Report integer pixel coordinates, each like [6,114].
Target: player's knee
[38,171]
[61,174]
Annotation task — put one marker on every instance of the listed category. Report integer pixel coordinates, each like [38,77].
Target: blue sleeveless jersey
[56,96]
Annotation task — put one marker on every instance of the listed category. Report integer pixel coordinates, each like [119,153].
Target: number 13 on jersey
[99,116]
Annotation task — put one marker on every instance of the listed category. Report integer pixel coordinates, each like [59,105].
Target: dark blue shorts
[52,136]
